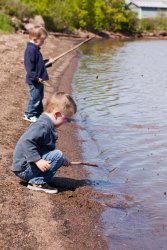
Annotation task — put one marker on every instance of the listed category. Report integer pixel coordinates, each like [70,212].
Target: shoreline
[31,220]
[76,181]
[70,219]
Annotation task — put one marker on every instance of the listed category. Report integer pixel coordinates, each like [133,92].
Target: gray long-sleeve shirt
[39,138]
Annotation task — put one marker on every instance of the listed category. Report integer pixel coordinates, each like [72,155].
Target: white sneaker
[45,188]
[30,119]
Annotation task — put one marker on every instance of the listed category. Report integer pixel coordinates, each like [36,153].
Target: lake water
[121,91]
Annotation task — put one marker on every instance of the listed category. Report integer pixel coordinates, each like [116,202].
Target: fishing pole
[68,51]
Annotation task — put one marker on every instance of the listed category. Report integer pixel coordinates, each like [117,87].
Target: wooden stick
[83,163]
[68,51]
[46,83]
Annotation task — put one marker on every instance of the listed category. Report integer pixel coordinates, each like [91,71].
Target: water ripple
[121,92]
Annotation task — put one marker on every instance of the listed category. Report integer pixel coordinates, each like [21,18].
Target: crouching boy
[35,158]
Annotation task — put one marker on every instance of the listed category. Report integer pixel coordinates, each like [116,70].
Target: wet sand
[29,220]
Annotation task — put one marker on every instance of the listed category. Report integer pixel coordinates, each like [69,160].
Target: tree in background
[111,15]
[39,6]
[62,14]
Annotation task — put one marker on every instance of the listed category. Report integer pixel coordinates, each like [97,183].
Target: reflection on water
[121,92]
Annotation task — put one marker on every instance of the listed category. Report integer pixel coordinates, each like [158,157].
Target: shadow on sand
[65,184]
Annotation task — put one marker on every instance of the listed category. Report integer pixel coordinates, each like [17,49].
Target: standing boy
[35,158]
[36,72]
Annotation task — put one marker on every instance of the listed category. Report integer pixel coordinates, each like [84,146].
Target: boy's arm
[30,60]
[32,141]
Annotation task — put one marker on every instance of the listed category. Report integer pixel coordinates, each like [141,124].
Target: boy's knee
[58,154]
[57,159]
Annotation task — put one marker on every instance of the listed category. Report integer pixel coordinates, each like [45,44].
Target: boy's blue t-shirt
[39,138]
[34,64]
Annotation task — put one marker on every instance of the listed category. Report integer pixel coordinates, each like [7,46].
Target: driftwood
[59,34]
[84,163]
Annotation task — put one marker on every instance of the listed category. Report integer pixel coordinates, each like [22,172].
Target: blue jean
[36,95]
[34,175]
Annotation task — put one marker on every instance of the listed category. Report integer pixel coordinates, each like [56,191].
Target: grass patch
[5,24]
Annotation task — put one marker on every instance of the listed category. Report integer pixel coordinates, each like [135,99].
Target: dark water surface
[121,91]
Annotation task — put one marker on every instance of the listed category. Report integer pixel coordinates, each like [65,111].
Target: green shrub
[5,23]
[62,15]
[17,8]
[153,24]
[39,6]
[161,22]
[147,24]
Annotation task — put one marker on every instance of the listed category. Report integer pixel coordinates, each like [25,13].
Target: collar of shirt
[30,43]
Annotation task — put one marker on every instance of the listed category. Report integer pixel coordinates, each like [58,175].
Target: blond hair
[63,102]
[37,31]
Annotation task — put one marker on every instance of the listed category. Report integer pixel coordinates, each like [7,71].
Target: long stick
[46,83]
[68,51]
[83,163]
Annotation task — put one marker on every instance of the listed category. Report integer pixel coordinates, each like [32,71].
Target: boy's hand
[43,165]
[66,162]
[40,80]
[49,62]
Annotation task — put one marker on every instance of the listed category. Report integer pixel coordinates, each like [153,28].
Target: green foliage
[147,24]
[61,15]
[5,23]
[130,23]
[161,22]
[111,15]
[115,14]
[151,24]
[16,8]
[86,14]
[39,6]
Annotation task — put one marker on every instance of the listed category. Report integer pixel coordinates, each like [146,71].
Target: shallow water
[121,91]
